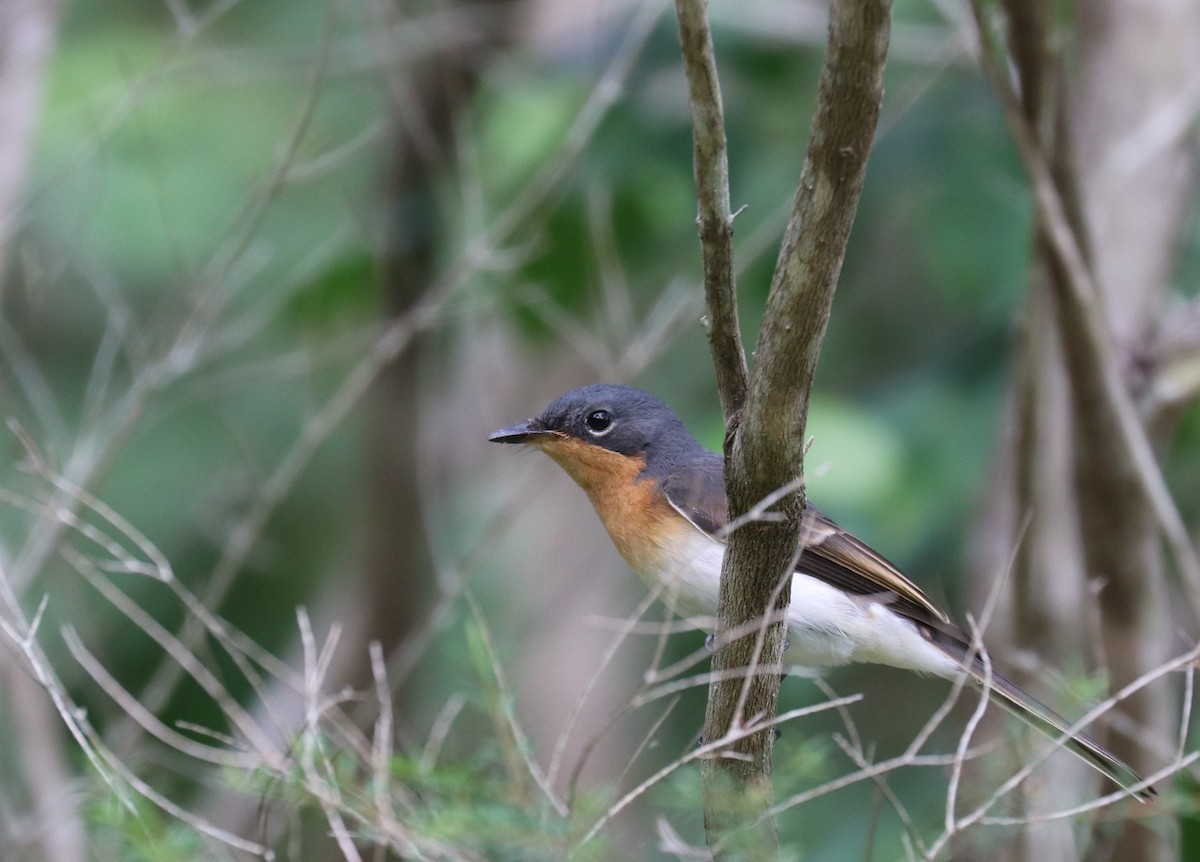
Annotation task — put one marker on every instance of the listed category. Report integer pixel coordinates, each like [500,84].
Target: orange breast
[632,509]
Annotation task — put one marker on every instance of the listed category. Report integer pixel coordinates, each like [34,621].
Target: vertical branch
[814,242]
[764,450]
[1133,116]
[1049,575]
[1111,164]
[27,32]
[713,218]
[26,40]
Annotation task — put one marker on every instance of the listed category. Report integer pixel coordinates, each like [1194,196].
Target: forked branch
[765,430]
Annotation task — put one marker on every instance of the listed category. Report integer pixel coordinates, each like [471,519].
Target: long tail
[1042,717]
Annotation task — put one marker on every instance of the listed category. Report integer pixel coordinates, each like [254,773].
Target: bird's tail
[1042,717]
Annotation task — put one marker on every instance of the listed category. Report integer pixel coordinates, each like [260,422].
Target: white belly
[826,626]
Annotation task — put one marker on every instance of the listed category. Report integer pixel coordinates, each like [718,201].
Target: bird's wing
[830,553]
[699,495]
[840,559]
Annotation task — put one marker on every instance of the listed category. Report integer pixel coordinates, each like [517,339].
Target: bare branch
[396,337]
[764,451]
[814,243]
[1082,296]
[255,735]
[712,196]
[147,720]
[979,813]
[512,737]
[710,750]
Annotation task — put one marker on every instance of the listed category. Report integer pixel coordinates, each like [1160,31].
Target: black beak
[519,433]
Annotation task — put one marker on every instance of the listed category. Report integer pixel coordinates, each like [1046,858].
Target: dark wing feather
[841,560]
[699,495]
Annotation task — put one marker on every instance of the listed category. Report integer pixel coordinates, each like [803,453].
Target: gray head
[614,417]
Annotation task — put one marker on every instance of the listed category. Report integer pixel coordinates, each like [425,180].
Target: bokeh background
[272,270]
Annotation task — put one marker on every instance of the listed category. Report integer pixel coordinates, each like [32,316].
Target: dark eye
[598,422]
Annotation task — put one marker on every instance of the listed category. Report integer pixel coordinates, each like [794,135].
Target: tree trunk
[1113,119]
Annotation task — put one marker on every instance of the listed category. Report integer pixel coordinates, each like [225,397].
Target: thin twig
[1119,795]
[715,221]
[764,449]
[980,812]
[396,337]
[700,752]
[439,730]
[255,735]
[147,720]
[862,761]
[589,685]
[505,705]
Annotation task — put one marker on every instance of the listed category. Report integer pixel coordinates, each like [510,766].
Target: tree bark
[1106,139]
[1132,113]
[764,443]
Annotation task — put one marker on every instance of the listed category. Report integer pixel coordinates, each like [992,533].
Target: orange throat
[632,509]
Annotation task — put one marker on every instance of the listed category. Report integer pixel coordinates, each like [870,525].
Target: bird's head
[604,429]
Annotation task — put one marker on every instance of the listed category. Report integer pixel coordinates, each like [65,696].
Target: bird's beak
[522,432]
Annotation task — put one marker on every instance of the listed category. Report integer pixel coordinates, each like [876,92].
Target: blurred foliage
[234,180]
[139,833]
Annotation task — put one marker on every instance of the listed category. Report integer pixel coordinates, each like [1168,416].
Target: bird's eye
[599,422]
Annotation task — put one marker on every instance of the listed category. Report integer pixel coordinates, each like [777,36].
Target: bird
[660,495]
